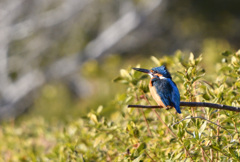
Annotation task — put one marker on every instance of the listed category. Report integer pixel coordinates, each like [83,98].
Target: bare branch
[194,104]
[48,19]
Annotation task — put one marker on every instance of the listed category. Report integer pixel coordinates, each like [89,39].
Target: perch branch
[194,104]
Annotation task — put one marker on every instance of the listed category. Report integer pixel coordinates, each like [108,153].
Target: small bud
[238,71]
[234,61]
[224,60]
[136,133]
[238,53]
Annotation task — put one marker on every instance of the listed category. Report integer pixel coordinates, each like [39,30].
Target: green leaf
[93,117]
[129,98]
[181,73]
[237,84]
[180,132]
[189,71]
[215,131]
[191,59]
[120,80]
[235,61]
[238,53]
[233,153]
[155,60]
[99,110]
[199,59]
[136,133]
[143,77]
[202,128]
[226,68]
[140,158]
[209,92]
[190,133]
[142,146]
[177,157]
[217,148]
[226,53]
[124,73]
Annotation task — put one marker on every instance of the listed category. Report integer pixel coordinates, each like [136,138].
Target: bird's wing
[175,94]
[168,92]
[164,90]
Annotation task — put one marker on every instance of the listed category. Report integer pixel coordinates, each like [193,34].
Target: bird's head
[159,72]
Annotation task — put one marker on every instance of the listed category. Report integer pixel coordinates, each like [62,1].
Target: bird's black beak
[142,70]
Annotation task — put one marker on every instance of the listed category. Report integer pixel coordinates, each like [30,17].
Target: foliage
[124,136]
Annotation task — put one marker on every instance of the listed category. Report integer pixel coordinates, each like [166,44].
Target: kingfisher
[163,90]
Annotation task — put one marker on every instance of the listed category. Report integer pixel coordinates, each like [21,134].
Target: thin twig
[148,127]
[159,118]
[194,104]
[187,152]
[206,154]
[211,154]
[218,137]
[149,156]
[236,130]
[203,156]
[169,129]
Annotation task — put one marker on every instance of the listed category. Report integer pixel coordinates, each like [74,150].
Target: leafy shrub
[126,136]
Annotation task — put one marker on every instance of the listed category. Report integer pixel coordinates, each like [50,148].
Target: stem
[159,118]
[148,128]
[203,156]
[194,104]
[149,156]
[218,138]
[211,153]
[236,129]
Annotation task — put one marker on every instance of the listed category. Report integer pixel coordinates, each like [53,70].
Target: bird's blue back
[168,92]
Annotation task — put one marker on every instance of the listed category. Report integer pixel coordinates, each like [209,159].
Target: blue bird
[163,90]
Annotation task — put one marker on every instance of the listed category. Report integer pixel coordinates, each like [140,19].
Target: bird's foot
[168,107]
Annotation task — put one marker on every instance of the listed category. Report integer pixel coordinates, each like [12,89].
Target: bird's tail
[178,109]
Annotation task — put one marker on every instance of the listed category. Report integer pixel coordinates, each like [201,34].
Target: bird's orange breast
[155,95]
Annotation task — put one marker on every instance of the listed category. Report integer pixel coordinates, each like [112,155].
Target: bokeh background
[58,57]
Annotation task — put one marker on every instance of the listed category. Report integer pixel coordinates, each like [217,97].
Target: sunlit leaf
[99,110]
[177,156]
[202,128]
[234,153]
[155,60]
[120,80]
[235,61]
[191,59]
[93,117]
[217,148]
[124,73]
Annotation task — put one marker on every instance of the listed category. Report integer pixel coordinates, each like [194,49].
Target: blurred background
[58,57]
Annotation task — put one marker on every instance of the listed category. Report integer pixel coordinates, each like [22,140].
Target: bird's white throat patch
[160,77]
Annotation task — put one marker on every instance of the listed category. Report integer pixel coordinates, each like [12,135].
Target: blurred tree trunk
[31,38]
